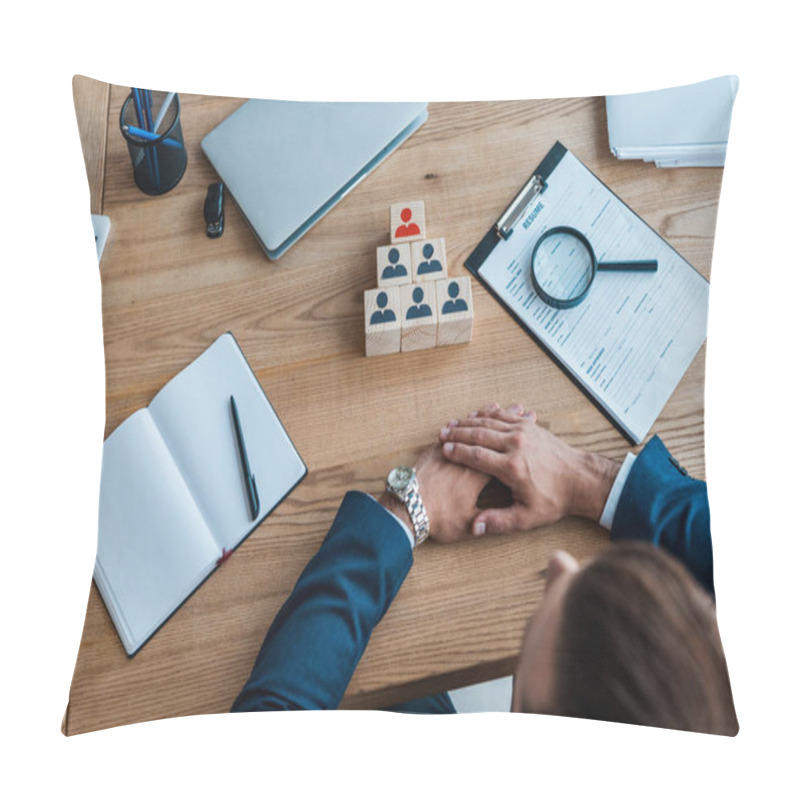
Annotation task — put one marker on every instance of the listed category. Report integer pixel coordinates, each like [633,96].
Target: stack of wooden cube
[415,305]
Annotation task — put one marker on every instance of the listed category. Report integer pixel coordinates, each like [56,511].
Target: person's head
[630,637]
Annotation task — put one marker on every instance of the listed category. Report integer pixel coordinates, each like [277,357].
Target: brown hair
[638,643]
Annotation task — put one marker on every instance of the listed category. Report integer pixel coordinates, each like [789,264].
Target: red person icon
[407,229]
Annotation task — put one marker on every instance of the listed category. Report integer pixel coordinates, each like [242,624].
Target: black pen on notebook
[249,478]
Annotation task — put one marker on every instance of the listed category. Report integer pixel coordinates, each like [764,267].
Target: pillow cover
[351,622]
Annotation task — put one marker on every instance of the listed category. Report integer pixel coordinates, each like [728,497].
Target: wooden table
[169,291]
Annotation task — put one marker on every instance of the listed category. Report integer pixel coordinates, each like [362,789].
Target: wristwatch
[402,483]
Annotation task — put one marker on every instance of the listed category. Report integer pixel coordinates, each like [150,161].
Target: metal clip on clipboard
[504,227]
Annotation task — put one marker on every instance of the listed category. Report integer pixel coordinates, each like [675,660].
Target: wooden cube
[382,321]
[454,306]
[407,221]
[428,260]
[394,265]
[418,307]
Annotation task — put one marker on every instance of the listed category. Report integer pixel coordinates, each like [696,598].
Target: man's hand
[449,493]
[548,479]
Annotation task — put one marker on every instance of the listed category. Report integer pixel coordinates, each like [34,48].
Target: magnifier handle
[628,266]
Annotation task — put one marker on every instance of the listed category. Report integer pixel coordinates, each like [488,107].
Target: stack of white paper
[686,126]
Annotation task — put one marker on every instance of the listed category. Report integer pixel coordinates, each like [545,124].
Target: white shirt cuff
[402,524]
[610,508]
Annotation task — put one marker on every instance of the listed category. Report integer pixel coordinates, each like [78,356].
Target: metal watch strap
[417,512]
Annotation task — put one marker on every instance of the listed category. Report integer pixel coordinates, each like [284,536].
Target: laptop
[286,164]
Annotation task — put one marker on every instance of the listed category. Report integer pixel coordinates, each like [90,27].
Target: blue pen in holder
[151,124]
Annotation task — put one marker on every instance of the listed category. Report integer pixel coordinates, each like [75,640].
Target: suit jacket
[315,643]
[661,504]
[313,646]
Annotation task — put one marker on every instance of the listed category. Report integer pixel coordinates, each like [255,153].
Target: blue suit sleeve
[661,504]
[316,641]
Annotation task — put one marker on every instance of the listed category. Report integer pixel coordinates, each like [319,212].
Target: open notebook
[173,500]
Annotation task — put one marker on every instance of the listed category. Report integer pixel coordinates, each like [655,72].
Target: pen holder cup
[152,131]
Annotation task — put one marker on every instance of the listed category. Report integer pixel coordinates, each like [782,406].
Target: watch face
[399,477]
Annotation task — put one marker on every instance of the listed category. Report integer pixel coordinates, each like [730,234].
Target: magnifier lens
[563,266]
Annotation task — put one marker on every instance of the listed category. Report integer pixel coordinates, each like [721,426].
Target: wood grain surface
[168,291]
[91,109]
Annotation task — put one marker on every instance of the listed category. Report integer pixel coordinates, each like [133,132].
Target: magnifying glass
[563,267]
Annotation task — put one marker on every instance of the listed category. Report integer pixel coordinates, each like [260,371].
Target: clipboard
[628,379]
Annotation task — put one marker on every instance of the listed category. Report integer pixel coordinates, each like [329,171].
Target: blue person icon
[455,303]
[429,265]
[393,269]
[382,315]
[420,309]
